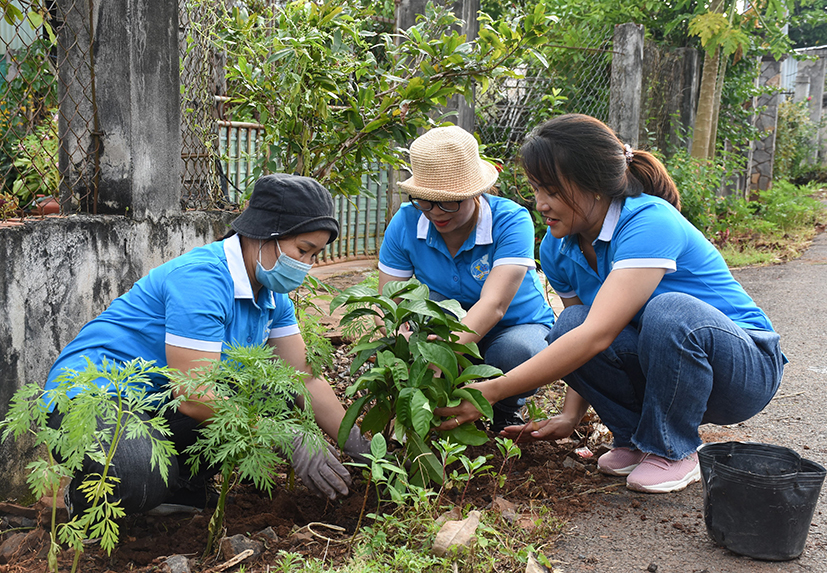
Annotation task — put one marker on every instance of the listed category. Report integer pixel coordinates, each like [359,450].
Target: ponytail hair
[575,152]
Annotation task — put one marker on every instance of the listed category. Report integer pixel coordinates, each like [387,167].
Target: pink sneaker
[619,461]
[659,475]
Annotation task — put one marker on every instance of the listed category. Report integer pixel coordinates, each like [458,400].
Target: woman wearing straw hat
[192,308]
[467,245]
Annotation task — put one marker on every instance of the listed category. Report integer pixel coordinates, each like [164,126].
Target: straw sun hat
[446,166]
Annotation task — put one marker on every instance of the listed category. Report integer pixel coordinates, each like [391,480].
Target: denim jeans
[685,365]
[141,487]
[509,347]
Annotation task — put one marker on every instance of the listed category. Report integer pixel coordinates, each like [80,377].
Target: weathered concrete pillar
[809,87]
[122,98]
[670,95]
[406,12]
[766,122]
[627,78]
[685,94]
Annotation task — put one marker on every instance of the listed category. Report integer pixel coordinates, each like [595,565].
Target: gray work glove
[321,471]
[357,445]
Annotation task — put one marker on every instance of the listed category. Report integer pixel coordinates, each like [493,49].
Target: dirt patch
[547,474]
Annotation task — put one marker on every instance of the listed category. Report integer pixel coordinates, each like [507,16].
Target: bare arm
[190,361]
[622,295]
[498,291]
[327,409]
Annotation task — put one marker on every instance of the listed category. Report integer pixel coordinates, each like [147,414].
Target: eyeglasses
[425,206]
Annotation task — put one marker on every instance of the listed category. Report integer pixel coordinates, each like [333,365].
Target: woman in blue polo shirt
[656,333]
[472,247]
[196,305]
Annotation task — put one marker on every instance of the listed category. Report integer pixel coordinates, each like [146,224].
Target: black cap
[283,204]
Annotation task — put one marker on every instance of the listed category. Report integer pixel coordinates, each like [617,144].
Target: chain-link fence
[203,92]
[577,80]
[44,102]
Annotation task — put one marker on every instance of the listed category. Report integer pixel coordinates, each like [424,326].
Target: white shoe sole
[669,486]
[621,472]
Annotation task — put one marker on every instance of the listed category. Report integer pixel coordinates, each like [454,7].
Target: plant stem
[362,512]
[217,520]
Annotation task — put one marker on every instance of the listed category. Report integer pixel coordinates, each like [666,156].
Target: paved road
[629,532]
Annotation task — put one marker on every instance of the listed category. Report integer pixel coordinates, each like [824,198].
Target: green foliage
[400,389]
[36,163]
[795,134]
[357,327]
[337,93]
[319,349]
[808,23]
[788,207]
[26,102]
[99,407]
[252,394]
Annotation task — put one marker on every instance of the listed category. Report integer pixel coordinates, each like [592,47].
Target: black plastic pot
[759,499]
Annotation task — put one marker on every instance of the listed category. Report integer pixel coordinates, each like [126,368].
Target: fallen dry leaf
[456,533]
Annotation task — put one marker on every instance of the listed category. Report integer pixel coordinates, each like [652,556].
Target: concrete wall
[59,273]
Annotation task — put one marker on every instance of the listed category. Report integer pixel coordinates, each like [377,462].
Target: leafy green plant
[36,163]
[357,327]
[399,391]
[319,349]
[510,452]
[794,152]
[101,407]
[451,453]
[253,395]
[26,102]
[340,91]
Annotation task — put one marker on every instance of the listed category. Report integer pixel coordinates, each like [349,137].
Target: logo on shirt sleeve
[480,268]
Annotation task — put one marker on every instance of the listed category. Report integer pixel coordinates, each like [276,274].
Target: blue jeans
[686,364]
[509,347]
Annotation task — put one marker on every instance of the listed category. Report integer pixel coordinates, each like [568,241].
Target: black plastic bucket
[759,499]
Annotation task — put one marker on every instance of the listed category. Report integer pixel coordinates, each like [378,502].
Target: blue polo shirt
[504,235]
[648,232]
[201,300]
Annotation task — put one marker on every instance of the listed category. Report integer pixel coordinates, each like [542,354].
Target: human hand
[320,471]
[555,428]
[356,446]
[457,416]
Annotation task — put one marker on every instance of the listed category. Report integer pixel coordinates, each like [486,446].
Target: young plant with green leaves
[255,398]
[339,91]
[416,366]
[102,406]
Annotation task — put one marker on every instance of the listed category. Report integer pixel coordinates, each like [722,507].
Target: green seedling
[401,388]
[254,397]
[510,453]
[102,406]
[450,453]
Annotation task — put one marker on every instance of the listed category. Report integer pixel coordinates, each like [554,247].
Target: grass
[401,541]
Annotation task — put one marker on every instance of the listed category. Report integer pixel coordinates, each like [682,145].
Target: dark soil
[547,474]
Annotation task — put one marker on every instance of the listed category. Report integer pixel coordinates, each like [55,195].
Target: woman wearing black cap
[194,306]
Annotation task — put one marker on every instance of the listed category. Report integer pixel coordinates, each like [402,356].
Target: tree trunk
[706,107]
[719,88]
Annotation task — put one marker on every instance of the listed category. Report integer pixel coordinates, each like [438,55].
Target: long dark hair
[575,152]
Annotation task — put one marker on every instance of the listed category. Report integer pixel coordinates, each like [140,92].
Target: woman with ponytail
[656,334]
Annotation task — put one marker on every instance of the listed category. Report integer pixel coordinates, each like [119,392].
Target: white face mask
[286,275]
